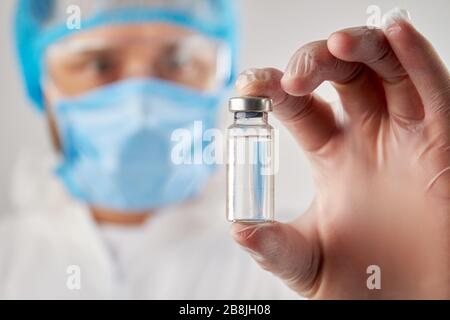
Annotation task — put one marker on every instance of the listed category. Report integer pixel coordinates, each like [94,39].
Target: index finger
[310,119]
[424,66]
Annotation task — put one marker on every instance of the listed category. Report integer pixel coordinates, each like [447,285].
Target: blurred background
[271,31]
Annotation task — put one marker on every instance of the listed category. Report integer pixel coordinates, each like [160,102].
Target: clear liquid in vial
[250,176]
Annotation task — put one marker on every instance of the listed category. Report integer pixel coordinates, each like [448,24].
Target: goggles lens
[79,64]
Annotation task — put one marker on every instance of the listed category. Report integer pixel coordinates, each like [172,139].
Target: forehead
[126,32]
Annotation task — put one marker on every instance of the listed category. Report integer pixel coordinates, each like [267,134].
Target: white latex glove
[382,176]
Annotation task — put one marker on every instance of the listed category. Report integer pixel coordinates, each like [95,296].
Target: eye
[102,65]
[175,59]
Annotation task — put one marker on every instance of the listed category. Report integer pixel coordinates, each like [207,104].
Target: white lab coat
[183,252]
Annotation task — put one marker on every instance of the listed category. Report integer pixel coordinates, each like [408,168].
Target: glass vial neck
[250,118]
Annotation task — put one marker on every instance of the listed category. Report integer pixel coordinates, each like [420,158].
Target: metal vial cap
[250,104]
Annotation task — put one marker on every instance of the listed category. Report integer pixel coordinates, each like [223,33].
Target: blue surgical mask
[117,144]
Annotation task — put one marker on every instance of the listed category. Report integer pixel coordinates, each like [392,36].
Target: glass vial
[250,165]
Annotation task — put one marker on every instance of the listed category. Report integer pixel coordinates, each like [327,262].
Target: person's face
[91,59]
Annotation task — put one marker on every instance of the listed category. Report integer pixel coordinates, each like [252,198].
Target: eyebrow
[79,47]
[82,45]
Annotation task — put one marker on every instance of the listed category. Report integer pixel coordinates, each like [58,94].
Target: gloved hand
[382,175]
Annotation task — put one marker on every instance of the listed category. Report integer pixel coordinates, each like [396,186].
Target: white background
[271,31]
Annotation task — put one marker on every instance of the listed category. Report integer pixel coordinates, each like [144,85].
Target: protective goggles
[81,63]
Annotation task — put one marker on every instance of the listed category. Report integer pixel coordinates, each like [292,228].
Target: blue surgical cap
[39,23]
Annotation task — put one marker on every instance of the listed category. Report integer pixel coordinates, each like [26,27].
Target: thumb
[283,250]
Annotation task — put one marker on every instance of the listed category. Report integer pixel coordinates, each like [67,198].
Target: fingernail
[393,18]
[251,75]
[300,64]
[243,230]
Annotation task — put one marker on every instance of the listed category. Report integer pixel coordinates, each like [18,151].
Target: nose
[138,69]
[139,63]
